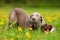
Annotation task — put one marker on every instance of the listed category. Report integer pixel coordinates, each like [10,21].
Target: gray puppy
[22,19]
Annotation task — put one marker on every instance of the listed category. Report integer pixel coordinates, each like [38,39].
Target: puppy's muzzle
[33,19]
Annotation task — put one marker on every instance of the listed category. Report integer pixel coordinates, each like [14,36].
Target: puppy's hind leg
[11,19]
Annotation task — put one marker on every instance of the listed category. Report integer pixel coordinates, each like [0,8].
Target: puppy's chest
[34,25]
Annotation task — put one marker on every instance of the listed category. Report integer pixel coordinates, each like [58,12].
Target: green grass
[50,15]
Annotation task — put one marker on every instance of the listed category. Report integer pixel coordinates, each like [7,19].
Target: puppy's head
[36,17]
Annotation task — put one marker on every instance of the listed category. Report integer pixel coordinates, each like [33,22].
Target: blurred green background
[31,3]
[49,9]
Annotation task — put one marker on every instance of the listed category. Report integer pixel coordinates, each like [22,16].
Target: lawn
[50,15]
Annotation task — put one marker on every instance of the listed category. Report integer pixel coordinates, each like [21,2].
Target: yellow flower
[1,23]
[50,20]
[11,38]
[20,29]
[28,35]
[30,28]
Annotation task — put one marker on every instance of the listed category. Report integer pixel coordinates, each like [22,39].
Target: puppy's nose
[33,18]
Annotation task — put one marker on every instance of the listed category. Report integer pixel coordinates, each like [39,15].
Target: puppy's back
[21,16]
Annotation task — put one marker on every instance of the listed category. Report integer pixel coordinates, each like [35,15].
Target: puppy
[47,28]
[36,20]
[19,15]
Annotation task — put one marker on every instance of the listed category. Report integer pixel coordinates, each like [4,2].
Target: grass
[50,15]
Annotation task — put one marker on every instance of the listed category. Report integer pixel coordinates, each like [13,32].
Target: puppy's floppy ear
[41,19]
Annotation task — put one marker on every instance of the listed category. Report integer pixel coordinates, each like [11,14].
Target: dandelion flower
[50,20]
[30,28]
[20,29]
[28,35]
[1,23]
